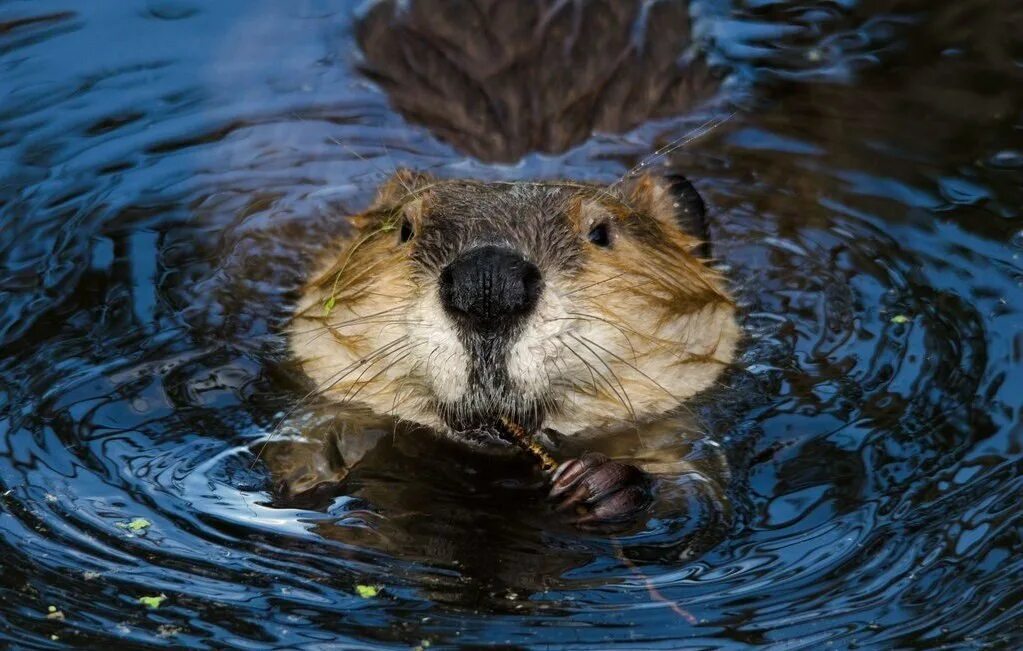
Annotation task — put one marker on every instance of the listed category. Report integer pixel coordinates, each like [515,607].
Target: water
[165,169]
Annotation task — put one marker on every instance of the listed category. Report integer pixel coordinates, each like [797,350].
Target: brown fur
[500,79]
[622,335]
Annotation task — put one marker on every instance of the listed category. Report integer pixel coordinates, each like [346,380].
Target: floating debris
[900,319]
[525,441]
[135,525]
[166,630]
[367,591]
[153,602]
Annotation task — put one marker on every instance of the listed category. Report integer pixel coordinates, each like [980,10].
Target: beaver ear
[672,198]
[402,186]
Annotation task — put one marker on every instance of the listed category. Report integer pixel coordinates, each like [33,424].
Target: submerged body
[582,311]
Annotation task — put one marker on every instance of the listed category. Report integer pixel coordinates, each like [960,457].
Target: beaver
[583,311]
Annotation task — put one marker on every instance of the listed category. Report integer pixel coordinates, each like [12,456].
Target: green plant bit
[135,525]
[386,227]
[153,602]
[367,591]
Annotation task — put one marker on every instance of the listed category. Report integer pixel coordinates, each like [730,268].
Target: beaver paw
[603,493]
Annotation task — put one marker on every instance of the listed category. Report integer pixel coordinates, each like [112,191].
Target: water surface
[167,167]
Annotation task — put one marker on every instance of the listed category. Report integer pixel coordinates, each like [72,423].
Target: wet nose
[490,287]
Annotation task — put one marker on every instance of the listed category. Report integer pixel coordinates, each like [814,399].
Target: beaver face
[562,305]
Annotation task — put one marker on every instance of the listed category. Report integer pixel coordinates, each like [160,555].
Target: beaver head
[556,304]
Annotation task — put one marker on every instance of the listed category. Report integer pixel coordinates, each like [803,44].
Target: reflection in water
[166,172]
[499,81]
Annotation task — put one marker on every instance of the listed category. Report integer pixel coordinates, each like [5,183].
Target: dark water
[165,168]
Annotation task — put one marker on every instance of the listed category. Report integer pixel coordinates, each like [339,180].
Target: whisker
[594,284]
[635,368]
[698,132]
[319,390]
[367,160]
[625,394]
[593,377]
[369,364]
[405,379]
[604,380]
[349,396]
[619,328]
[627,288]
[326,317]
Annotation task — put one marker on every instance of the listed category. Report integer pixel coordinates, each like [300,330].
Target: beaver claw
[604,493]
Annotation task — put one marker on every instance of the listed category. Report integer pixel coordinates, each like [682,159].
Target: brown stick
[651,589]
[523,439]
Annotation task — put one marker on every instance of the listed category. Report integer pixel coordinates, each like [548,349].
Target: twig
[523,439]
[651,589]
[526,442]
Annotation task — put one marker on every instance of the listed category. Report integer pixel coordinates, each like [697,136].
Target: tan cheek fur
[636,335]
[376,345]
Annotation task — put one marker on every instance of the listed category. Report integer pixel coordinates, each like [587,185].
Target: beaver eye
[406,233]
[600,235]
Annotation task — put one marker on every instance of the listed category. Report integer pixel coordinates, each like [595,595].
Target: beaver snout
[490,287]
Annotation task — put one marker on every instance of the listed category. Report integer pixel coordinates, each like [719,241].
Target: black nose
[489,286]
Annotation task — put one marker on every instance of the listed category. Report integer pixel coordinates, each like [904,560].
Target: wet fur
[621,335]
